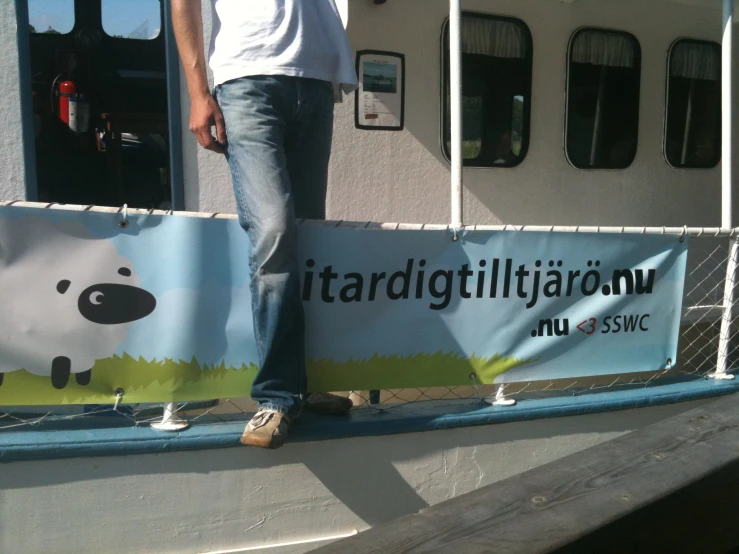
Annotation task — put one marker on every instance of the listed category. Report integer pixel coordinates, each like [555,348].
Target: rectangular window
[496,90]
[693,119]
[134,19]
[603,78]
[53,18]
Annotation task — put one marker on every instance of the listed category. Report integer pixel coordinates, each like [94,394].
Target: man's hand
[204,110]
[204,114]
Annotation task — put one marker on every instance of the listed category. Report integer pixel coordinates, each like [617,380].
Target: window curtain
[603,48]
[695,61]
[491,37]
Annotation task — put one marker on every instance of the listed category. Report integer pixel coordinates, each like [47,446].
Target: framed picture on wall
[379,103]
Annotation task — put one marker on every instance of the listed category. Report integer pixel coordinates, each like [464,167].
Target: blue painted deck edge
[110,439]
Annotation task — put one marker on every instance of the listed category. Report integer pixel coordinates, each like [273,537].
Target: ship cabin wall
[404,176]
[12,168]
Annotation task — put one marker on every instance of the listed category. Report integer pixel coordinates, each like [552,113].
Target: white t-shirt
[300,38]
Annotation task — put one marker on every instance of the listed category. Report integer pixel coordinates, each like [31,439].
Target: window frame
[445,86]
[670,50]
[568,64]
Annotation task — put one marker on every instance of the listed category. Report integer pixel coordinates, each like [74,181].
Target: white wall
[235,498]
[207,179]
[12,182]
[402,176]
[409,177]
[385,176]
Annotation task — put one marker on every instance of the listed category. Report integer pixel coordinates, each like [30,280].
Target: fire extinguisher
[74,109]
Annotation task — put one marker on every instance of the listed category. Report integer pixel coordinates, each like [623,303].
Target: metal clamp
[170,420]
[476,386]
[118,397]
[123,223]
[500,399]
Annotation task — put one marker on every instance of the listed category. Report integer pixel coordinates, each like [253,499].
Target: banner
[160,309]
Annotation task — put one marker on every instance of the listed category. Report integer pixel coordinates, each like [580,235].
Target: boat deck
[669,487]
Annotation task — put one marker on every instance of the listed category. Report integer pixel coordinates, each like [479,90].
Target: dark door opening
[100,102]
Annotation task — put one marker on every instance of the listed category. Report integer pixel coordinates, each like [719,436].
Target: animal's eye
[113,304]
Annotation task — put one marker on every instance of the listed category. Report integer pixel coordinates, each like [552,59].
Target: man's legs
[308,149]
[279,142]
[258,112]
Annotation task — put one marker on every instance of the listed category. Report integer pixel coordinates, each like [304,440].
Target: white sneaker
[267,429]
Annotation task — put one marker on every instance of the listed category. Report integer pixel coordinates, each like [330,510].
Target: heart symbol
[588,329]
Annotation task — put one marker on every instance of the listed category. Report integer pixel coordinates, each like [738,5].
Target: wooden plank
[670,487]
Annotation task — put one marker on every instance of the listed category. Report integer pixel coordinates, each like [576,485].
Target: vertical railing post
[724,344]
[457,178]
[727,219]
[455,92]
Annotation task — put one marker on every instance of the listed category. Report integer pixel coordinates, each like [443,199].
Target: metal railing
[708,340]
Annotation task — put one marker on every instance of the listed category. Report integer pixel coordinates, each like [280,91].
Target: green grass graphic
[399,372]
[141,381]
[169,380]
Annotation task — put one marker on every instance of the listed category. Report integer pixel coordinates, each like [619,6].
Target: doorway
[101,103]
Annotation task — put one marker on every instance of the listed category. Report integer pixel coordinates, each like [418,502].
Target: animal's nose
[108,303]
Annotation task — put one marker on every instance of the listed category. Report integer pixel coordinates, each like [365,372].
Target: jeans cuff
[274,407]
[292,412]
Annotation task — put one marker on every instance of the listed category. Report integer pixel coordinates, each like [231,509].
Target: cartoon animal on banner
[66,299]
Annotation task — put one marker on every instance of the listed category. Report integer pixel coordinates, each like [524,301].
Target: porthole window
[132,19]
[496,90]
[693,118]
[603,81]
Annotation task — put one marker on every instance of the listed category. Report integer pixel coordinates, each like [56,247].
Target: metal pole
[724,345]
[727,219]
[455,90]
[724,342]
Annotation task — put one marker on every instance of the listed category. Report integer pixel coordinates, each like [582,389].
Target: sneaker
[267,429]
[328,404]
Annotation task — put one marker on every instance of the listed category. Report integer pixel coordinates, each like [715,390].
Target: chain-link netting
[703,312]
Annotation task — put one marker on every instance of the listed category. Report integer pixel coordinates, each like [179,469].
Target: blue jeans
[279,141]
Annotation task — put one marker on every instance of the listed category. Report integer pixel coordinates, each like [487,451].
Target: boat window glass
[496,90]
[133,19]
[603,80]
[693,119]
[54,17]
